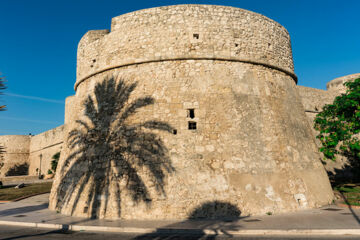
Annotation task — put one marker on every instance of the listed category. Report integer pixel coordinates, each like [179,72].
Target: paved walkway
[330,220]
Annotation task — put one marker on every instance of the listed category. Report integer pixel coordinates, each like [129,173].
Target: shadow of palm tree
[18,170]
[2,151]
[208,221]
[107,150]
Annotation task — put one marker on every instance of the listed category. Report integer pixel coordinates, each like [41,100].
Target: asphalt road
[10,232]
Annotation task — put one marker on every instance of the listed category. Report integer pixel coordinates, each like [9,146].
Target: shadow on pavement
[350,208]
[22,210]
[65,230]
[207,221]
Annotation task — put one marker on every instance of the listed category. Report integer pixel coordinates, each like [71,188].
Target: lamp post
[40,165]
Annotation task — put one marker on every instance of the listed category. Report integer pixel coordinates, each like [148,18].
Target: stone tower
[223,79]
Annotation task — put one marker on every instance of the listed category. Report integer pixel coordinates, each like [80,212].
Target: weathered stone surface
[252,148]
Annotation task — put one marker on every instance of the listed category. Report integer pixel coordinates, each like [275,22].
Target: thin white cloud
[13,132]
[29,120]
[34,98]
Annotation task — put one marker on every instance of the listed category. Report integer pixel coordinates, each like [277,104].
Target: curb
[207,231]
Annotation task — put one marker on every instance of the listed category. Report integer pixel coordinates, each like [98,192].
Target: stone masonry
[223,79]
[217,118]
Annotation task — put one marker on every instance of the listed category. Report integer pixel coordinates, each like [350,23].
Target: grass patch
[10,193]
[351,193]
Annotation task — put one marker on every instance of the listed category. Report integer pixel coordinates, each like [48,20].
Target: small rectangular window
[192,125]
[191,113]
[196,35]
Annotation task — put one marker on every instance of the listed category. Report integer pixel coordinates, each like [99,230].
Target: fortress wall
[313,101]
[185,32]
[241,151]
[253,147]
[16,153]
[42,147]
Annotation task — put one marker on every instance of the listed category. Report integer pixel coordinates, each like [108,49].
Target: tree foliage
[339,125]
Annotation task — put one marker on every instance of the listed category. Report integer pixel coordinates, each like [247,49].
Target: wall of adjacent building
[16,152]
[33,151]
[42,147]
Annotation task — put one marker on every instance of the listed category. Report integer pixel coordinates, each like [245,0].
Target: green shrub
[54,162]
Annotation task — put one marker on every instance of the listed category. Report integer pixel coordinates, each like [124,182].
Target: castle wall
[16,153]
[314,99]
[252,147]
[42,147]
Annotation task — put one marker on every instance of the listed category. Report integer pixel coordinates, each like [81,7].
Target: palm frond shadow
[210,220]
[106,151]
[2,152]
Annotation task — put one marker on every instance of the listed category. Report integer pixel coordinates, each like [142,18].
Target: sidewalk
[331,220]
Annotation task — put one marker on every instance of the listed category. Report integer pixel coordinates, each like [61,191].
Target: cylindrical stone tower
[223,79]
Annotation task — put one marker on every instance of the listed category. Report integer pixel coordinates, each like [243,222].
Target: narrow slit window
[192,125]
[191,113]
[196,35]
[174,131]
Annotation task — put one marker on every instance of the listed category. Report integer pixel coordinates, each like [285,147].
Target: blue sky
[39,38]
